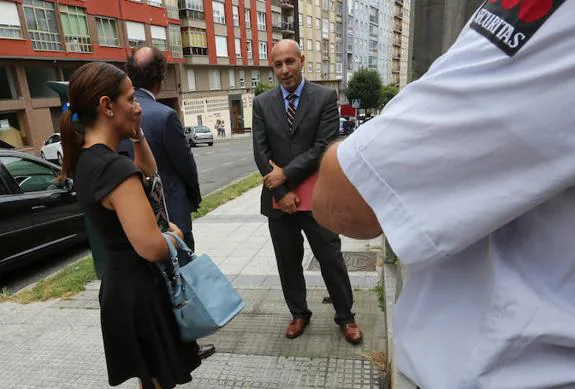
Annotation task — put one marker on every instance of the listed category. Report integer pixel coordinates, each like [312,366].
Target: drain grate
[355,261]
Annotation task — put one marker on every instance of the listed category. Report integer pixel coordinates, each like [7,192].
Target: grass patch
[230,192]
[73,278]
[67,282]
[377,359]
[380,291]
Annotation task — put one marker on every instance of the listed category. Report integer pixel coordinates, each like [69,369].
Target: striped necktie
[291,110]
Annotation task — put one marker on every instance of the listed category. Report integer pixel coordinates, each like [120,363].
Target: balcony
[276,3]
[288,27]
[287,4]
[397,27]
[277,28]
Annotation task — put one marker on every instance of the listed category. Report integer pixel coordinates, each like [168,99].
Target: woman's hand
[174,229]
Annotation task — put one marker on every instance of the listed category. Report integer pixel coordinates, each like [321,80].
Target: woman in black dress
[140,333]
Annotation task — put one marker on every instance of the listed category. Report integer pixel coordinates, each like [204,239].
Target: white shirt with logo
[470,171]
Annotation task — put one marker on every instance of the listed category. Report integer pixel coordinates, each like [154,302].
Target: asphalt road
[218,166]
[223,163]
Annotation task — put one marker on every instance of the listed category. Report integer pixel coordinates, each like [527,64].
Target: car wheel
[42,155]
[60,159]
[211,144]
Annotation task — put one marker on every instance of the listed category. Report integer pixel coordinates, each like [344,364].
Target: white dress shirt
[470,171]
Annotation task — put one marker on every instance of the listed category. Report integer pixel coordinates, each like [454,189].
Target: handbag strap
[174,284]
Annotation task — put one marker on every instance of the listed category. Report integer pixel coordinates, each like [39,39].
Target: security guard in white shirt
[470,173]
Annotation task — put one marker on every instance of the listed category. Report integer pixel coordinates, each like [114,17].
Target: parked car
[198,134]
[345,127]
[39,214]
[52,149]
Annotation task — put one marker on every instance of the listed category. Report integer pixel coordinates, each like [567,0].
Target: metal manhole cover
[355,261]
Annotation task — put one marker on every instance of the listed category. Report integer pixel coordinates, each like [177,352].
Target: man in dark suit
[163,131]
[292,125]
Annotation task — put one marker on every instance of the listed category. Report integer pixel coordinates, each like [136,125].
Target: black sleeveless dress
[141,336]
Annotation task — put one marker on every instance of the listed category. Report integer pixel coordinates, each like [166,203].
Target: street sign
[355,103]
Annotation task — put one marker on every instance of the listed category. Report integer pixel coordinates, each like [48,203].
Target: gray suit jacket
[176,164]
[316,124]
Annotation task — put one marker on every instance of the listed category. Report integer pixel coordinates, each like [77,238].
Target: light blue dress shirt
[297,92]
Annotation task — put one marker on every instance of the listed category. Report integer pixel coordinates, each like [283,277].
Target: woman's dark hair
[147,74]
[87,85]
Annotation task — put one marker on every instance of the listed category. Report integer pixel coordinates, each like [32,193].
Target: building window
[270,77]
[255,78]
[194,41]
[232,78]
[159,39]
[215,80]
[236,15]
[136,34]
[249,49]
[248,18]
[219,12]
[310,67]
[309,21]
[7,84]
[75,26]
[309,45]
[221,46]
[191,76]
[300,20]
[175,41]
[12,129]
[325,28]
[155,3]
[242,79]
[263,50]
[318,67]
[172,8]
[238,47]
[107,32]
[262,21]
[191,9]
[37,77]
[317,46]
[41,22]
[9,21]
[301,43]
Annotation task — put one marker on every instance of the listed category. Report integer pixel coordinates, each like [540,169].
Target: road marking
[207,170]
[227,163]
[243,158]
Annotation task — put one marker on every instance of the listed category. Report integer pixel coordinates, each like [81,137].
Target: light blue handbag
[203,299]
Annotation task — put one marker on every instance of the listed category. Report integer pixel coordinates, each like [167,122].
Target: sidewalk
[57,344]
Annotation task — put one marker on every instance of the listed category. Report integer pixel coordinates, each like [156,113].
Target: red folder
[304,191]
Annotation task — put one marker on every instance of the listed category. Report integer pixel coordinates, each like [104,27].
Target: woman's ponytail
[72,141]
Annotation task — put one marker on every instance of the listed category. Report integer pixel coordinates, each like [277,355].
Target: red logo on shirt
[509,24]
[529,10]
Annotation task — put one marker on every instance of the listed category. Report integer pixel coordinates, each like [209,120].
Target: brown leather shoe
[296,328]
[352,333]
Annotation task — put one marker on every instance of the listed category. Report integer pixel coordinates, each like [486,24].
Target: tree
[261,88]
[388,92]
[365,84]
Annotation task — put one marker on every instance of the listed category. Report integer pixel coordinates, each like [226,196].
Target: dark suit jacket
[316,124]
[176,164]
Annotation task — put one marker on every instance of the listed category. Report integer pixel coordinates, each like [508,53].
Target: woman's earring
[111,114]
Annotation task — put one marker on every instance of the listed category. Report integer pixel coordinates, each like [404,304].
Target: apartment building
[46,40]
[378,38]
[226,47]
[320,34]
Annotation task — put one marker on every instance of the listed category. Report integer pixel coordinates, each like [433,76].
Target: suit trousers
[286,234]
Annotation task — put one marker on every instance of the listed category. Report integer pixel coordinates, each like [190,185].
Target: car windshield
[202,130]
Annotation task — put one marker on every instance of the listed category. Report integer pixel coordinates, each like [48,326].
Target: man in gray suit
[163,131]
[292,125]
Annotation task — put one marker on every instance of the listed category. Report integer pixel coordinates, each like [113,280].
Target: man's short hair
[147,74]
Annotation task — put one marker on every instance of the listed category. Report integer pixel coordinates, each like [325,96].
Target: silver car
[199,134]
